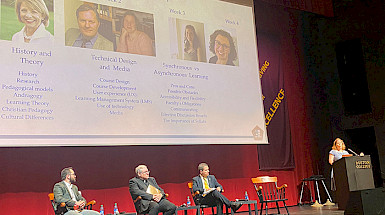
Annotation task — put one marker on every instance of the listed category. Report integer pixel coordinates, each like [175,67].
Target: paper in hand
[152,190]
[208,191]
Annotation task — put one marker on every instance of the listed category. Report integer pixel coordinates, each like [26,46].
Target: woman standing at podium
[338,151]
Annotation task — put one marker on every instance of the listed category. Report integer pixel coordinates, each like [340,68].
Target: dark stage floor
[305,209]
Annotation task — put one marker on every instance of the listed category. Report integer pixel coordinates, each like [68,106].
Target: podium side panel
[340,175]
[351,173]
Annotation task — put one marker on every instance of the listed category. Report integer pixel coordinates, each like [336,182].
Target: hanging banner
[279,153]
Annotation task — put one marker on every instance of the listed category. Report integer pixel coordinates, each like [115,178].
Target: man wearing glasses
[65,191]
[152,198]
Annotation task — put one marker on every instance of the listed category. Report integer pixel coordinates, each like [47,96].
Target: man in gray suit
[65,191]
[151,202]
[87,36]
[210,190]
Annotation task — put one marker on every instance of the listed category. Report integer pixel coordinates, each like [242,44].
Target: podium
[352,174]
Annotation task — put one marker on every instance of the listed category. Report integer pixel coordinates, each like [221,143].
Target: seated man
[65,191]
[210,190]
[87,35]
[153,197]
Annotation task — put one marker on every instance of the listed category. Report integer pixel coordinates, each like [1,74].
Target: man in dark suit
[65,191]
[153,199]
[210,190]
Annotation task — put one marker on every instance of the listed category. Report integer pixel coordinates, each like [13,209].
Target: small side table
[185,209]
[248,203]
[315,178]
[124,213]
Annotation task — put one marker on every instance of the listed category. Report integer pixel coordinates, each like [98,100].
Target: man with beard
[65,191]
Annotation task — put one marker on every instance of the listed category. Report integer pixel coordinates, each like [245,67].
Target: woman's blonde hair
[335,144]
[37,5]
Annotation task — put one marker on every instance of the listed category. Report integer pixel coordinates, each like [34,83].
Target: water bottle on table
[246,196]
[101,210]
[188,201]
[116,211]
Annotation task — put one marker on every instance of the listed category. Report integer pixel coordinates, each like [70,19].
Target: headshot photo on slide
[136,33]
[222,45]
[27,21]
[86,26]
[187,40]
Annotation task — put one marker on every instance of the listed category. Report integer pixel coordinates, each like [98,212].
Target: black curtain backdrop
[278,154]
[322,7]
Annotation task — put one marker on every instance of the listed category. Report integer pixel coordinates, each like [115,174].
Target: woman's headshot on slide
[35,17]
[131,39]
[223,48]
[192,50]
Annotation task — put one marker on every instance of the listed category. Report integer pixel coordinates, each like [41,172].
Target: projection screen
[128,72]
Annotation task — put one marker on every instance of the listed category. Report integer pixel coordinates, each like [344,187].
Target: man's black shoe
[235,206]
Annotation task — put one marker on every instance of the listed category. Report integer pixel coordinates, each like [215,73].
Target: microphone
[353,152]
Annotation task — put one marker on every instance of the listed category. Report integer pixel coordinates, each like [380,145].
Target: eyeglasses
[146,172]
[224,46]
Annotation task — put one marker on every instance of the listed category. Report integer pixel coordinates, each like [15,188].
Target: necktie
[206,184]
[84,43]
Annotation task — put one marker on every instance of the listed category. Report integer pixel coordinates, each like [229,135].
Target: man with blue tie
[210,190]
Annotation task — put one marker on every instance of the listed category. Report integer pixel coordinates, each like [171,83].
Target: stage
[304,210]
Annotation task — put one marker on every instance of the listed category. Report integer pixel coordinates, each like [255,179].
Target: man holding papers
[153,199]
[210,190]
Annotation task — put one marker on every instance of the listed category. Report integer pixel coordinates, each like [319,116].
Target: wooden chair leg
[278,207]
[287,210]
[198,211]
[266,208]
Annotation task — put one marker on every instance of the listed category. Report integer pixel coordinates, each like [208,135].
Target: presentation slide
[129,72]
